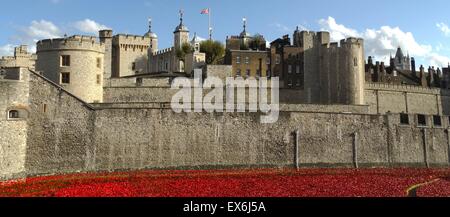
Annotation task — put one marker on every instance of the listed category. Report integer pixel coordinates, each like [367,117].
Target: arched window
[17,113]
[13,114]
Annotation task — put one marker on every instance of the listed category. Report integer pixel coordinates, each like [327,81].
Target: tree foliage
[186,48]
[258,42]
[214,51]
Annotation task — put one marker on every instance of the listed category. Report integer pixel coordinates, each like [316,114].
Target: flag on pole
[208,12]
[205,11]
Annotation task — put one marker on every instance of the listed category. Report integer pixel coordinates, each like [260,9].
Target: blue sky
[420,27]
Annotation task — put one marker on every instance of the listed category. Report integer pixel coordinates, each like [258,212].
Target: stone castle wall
[59,138]
[140,138]
[162,61]
[18,62]
[72,136]
[380,98]
[13,143]
[165,94]
[383,98]
[14,94]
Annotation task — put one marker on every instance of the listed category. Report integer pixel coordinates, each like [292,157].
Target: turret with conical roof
[245,36]
[153,37]
[181,33]
[150,33]
[244,33]
[181,36]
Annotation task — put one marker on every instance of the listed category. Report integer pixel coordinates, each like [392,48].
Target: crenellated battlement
[352,41]
[7,58]
[344,43]
[131,39]
[308,33]
[163,51]
[76,42]
[334,45]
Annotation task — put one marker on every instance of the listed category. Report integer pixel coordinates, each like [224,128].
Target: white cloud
[337,31]
[280,27]
[283,28]
[43,29]
[40,30]
[6,50]
[89,26]
[443,28]
[37,30]
[384,41]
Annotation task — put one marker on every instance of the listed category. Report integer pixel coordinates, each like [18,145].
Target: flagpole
[209,23]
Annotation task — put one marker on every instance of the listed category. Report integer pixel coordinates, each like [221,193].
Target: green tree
[186,48]
[258,42]
[214,51]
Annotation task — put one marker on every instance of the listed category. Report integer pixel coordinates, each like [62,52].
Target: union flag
[205,11]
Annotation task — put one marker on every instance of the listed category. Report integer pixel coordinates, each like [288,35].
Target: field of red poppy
[238,183]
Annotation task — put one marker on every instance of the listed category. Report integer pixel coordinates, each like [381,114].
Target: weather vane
[150,23]
[181,15]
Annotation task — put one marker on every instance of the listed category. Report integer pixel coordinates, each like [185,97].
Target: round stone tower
[75,63]
[351,68]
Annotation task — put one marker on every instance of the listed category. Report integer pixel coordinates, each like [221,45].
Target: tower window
[44,108]
[99,79]
[238,60]
[437,121]
[247,60]
[268,61]
[297,70]
[238,73]
[65,60]
[133,66]
[248,73]
[355,61]
[404,119]
[289,69]
[65,77]
[421,120]
[13,114]
[99,62]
